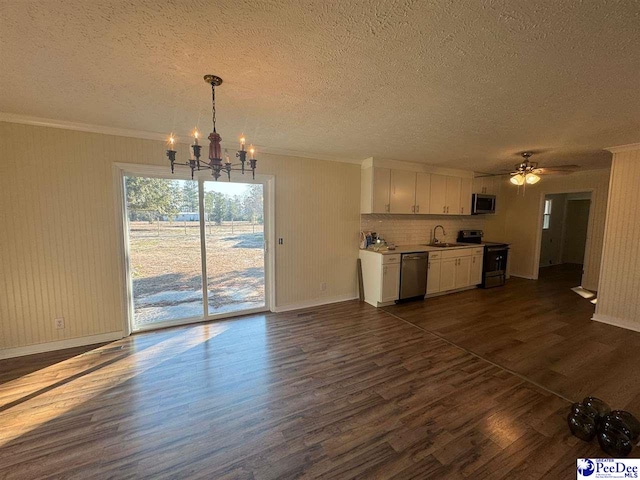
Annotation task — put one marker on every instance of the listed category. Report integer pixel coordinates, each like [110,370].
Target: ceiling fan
[528,172]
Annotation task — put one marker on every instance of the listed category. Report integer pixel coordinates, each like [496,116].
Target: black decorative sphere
[582,425]
[598,405]
[585,410]
[614,442]
[632,423]
[610,421]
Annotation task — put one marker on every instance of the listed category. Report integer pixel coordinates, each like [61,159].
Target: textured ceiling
[458,83]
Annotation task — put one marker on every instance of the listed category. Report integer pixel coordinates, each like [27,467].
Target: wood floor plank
[339,391]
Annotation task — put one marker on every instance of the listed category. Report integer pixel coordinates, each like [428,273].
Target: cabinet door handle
[461,209]
[444,209]
[417,208]
[413,208]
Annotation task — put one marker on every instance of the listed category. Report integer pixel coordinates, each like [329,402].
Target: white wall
[518,221]
[619,292]
[58,235]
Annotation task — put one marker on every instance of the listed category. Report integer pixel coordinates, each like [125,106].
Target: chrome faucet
[435,239]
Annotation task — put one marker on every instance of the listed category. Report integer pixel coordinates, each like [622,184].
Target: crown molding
[624,148]
[125,132]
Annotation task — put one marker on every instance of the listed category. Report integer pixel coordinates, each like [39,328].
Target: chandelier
[526,172]
[215,163]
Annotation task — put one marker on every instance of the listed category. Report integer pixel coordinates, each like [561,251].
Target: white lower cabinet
[448,274]
[447,270]
[433,272]
[390,282]
[476,268]
[454,269]
[380,277]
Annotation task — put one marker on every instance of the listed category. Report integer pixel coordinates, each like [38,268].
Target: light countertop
[421,248]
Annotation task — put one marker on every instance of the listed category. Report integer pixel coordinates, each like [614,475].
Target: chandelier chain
[213,106]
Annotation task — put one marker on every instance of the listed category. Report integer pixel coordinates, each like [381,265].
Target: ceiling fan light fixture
[532,178]
[517,179]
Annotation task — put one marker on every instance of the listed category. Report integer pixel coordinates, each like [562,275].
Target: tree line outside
[150,199]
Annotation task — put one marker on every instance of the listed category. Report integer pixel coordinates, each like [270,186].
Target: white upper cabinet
[447,195]
[423,192]
[406,191]
[465,196]
[438,195]
[403,191]
[453,195]
[487,185]
[381,189]
[375,187]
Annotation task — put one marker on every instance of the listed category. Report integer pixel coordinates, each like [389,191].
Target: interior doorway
[565,224]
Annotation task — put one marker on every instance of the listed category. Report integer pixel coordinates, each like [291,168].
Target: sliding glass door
[181,232]
[234,241]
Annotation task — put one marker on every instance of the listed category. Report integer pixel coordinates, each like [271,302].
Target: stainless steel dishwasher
[413,275]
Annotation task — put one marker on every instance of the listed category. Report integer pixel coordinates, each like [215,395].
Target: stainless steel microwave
[483,204]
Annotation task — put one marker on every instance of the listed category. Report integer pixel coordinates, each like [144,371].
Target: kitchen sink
[445,245]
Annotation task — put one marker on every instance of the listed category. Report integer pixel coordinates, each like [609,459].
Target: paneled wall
[518,221]
[58,235]
[619,293]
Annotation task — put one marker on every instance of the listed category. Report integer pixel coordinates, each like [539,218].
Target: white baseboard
[314,303]
[528,277]
[60,345]
[617,322]
[447,292]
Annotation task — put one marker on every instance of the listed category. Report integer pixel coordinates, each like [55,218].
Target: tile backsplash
[416,229]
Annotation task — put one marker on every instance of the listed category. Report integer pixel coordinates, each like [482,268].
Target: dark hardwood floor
[542,331]
[340,391]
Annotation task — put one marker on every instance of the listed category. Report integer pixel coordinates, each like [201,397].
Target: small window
[546,219]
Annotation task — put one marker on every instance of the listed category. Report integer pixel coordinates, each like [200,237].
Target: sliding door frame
[120,171]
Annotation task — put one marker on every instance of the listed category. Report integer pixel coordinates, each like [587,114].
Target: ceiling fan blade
[562,167]
[493,175]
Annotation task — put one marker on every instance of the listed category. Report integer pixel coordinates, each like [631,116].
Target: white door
[463,272]
[390,282]
[423,192]
[448,274]
[466,185]
[433,276]
[438,197]
[381,184]
[403,191]
[476,270]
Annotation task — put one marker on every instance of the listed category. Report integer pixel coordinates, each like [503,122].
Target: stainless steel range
[494,265]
